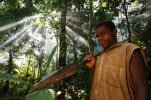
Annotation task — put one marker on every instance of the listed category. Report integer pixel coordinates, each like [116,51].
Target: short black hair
[107,23]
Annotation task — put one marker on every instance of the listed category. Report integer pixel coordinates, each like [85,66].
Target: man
[119,72]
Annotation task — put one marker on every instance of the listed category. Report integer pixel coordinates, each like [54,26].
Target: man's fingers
[88,57]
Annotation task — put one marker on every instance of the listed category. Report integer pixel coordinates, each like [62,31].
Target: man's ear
[115,31]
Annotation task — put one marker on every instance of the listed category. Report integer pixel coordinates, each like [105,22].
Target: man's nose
[100,38]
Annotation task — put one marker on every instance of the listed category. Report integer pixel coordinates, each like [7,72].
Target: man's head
[106,33]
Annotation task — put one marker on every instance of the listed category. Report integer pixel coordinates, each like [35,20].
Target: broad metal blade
[68,71]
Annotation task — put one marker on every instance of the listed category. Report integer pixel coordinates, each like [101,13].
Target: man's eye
[102,33]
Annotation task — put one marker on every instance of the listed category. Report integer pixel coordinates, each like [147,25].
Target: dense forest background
[38,37]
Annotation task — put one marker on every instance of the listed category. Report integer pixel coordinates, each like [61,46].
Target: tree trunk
[90,26]
[40,65]
[63,46]
[128,25]
[88,77]
[10,67]
[75,52]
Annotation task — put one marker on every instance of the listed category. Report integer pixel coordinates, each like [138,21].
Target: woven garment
[112,79]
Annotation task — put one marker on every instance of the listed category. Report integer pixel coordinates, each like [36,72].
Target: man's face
[105,36]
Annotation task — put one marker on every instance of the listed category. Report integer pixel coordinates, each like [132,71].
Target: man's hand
[90,62]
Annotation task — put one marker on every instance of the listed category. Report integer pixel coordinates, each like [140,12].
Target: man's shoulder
[130,45]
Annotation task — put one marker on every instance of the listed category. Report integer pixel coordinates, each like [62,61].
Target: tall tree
[9,69]
[90,26]
[127,20]
[63,46]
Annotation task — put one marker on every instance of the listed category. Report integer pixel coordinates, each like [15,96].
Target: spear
[67,71]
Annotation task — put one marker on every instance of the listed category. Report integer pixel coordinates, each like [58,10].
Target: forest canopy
[40,37]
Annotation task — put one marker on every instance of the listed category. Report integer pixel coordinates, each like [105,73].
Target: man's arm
[90,63]
[138,76]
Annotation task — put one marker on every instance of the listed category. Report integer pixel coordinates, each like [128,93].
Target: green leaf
[51,55]
[104,4]
[7,76]
[44,94]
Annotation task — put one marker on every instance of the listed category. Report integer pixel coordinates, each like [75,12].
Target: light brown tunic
[112,79]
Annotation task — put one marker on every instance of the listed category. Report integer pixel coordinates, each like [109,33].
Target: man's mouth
[101,42]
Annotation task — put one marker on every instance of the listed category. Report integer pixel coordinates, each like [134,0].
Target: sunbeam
[81,29]
[33,35]
[8,26]
[77,37]
[16,36]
